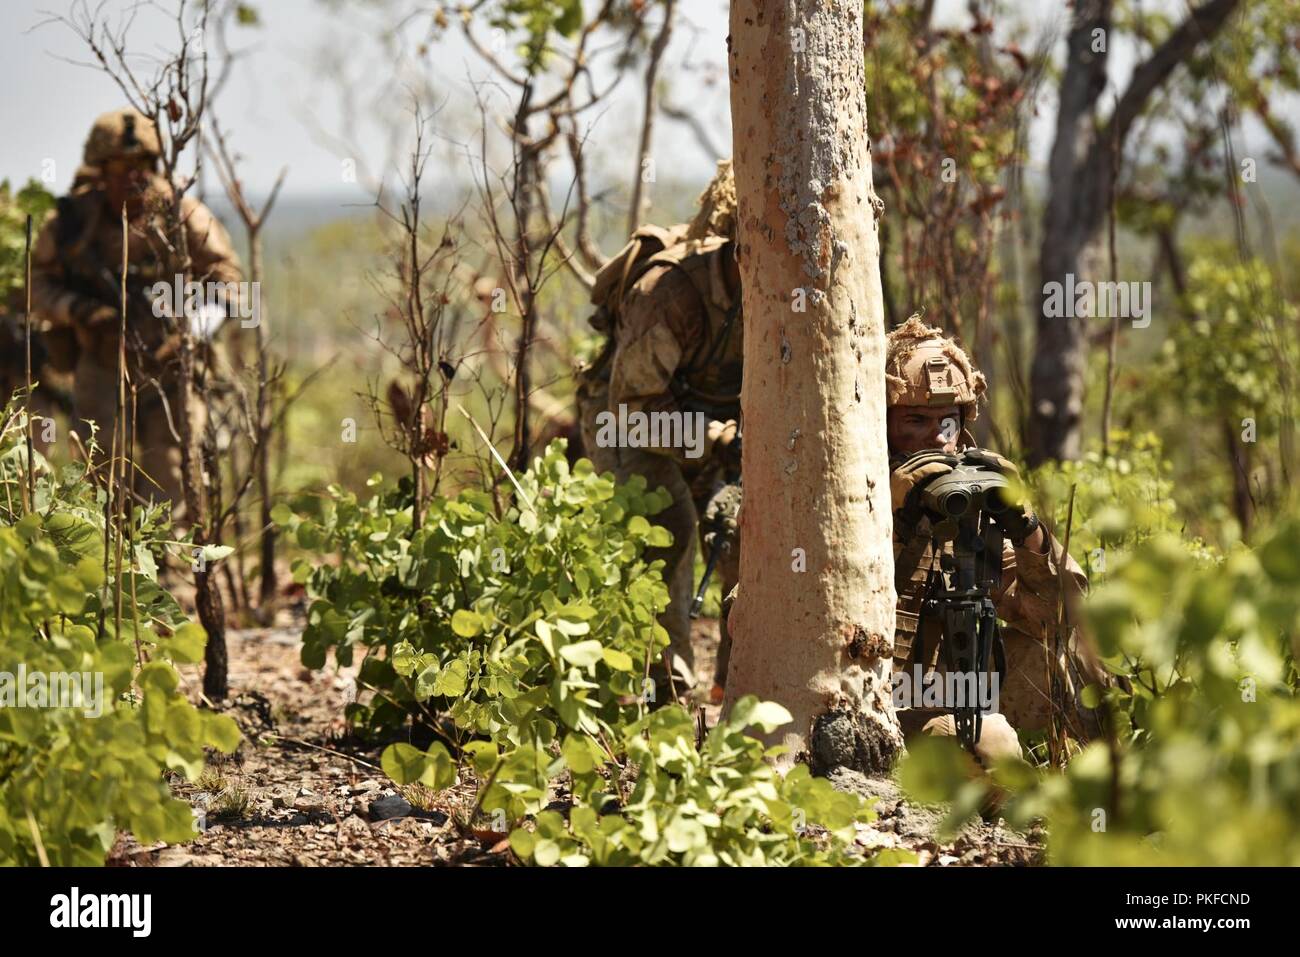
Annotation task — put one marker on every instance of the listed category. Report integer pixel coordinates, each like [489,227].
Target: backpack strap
[696,260]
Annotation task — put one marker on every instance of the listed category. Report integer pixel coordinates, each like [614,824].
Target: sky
[317,86]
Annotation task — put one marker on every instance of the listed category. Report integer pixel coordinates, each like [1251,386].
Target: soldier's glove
[97,330]
[917,471]
[97,319]
[726,443]
[1019,520]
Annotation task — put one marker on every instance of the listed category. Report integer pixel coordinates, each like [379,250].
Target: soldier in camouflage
[932,393]
[670,305]
[76,280]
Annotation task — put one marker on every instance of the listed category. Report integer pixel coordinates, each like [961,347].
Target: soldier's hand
[1015,484]
[921,468]
[1018,521]
[1003,465]
[96,326]
[725,441]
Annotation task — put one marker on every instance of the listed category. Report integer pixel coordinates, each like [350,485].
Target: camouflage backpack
[653,246]
[618,275]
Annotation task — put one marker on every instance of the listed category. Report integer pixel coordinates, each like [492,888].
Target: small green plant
[720,804]
[1122,498]
[77,767]
[657,799]
[32,200]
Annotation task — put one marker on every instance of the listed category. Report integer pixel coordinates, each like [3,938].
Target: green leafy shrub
[514,624]
[70,777]
[1204,767]
[657,799]
[1213,773]
[1121,499]
[720,804]
[34,200]
[1234,357]
[531,630]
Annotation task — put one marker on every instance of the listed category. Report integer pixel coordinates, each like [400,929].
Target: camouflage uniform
[674,346]
[925,369]
[76,270]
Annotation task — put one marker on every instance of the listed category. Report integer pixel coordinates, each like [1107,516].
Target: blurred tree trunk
[814,620]
[1083,161]
[1243,503]
[267,585]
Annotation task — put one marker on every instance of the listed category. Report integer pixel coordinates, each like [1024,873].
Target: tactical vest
[913,561]
[95,272]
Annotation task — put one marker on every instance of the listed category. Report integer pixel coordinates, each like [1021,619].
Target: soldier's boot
[997,740]
[997,743]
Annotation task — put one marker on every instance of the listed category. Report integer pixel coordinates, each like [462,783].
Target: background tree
[1085,159]
[954,103]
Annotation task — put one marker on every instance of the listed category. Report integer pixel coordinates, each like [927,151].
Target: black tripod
[961,596]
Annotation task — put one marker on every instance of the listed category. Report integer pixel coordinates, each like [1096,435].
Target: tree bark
[818,641]
[1243,503]
[1082,163]
[267,585]
[1072,216]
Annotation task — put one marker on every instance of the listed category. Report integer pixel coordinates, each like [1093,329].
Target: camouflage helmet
[122,133]
[925,367]
[86,176]
[717,213]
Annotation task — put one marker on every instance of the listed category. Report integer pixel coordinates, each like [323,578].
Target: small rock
[176,857]
[310,804]
[389,806]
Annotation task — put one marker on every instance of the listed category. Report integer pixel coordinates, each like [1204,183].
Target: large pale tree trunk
[815,463]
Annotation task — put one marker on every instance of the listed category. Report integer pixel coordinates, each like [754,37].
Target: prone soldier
[932,392]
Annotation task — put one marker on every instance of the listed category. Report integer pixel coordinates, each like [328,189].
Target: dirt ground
[301,791]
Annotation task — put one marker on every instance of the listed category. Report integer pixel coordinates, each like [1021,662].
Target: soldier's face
[125,181]
[912,428]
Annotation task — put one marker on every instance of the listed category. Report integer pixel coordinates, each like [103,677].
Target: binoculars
[976,484]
